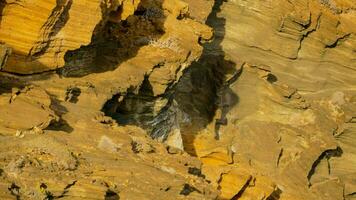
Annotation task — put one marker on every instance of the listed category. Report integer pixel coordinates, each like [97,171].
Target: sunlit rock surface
[178,99]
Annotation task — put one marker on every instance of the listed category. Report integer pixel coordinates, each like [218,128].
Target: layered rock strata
[51,124]
[264,110]
[40,33]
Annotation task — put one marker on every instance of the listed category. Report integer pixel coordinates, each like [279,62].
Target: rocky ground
[178,99]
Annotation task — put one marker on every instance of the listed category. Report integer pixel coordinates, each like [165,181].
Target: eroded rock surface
[41,32]
[285,119]
[178,99]
[55,141]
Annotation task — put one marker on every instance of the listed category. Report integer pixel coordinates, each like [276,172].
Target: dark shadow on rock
[72,94]
[59,110]
[30,61]
[272,78]
[192,103]
[227,99]
[60,125]
[133,108]
[114,41]
[7,83]
[276,194]
[187,189]
[211,86]
[2,6]
[111,195]
[61,14]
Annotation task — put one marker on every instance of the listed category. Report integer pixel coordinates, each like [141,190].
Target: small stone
[106,144]
[168,169]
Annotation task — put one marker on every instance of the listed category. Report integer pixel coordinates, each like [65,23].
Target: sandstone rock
[295,41]
[232,183]
[80,162]
[106,144]
[16,107]
[42,32]
[5,52]
[264,108]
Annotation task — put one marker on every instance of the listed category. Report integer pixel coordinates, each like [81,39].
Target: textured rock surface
[295,124]
[286,118]
[52,126]
[41,32]
[115,92]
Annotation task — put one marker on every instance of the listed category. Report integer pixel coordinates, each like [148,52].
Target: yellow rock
[41,32]
[259,188]
[233,182]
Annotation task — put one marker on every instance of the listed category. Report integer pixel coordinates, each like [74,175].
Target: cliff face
[55,140]
[287,120]
[177,99]
[41,32]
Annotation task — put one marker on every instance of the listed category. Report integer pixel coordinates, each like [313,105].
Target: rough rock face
[288,119]
[138,99]
[41,32]
[55,142]
[304,112]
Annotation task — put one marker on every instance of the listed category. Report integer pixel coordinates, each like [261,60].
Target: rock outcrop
[40,33]
[286,123]
[178,99]
[55,141]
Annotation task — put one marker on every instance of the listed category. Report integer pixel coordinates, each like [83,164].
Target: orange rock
[41,32]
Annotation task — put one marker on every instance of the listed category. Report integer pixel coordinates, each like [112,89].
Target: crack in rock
[327,154]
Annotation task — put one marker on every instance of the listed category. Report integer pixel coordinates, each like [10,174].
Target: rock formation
[178,99]
[40,33]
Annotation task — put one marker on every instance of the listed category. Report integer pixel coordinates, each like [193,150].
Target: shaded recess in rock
[196,171]
[325,155]
[5,52]
[275,195]
[66,190]
[111,195]
[187,189]
[191,103]
[240,193]
[15,190]
[7,83]
[272,78]
[2,5]
[48,194]
[60,124]
[72,94]
[114,42]
[204,88]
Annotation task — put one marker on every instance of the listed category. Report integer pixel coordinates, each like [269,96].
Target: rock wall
[101,102]
[286,123]
[41,32]
[51,121]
